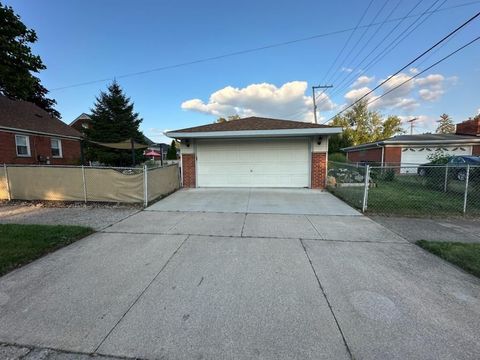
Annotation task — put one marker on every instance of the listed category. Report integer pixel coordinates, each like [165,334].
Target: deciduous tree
[18,63]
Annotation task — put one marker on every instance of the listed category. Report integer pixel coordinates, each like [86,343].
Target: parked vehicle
[457,167]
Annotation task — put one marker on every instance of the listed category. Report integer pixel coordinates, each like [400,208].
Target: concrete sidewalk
[231,285]
[451,229]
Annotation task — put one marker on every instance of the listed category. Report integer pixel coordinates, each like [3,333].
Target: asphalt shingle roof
[23,115]
[253,123]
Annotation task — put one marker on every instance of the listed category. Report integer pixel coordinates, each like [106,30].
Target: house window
[56,148]
[22,143]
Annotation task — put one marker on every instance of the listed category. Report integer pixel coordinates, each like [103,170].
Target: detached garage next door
[253,163]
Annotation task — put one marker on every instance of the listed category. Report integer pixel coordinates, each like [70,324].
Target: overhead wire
[246,51]
[446,37]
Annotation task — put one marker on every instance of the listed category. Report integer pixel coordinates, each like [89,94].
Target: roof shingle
[252,123]
[23,115]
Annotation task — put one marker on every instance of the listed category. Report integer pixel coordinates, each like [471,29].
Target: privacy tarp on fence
[71,183]
[162,181]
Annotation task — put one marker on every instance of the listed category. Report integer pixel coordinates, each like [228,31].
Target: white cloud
[157,135]
[362,81]
[355,94]
[407,97]
[346,69]
[264,99]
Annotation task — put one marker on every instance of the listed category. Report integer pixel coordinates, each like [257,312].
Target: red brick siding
[393,155]
[476,150]
[188,170]
[39,145]
[469,127]
[368,155]
[319,170]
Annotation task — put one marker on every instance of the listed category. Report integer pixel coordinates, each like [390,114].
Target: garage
[253,163]
[254,152]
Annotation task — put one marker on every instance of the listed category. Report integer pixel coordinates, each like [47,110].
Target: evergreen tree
[445,125]
[172,151]
[113,120]
[17,62]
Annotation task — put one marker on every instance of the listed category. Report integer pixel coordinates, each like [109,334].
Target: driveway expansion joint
[141,294]
[328,302]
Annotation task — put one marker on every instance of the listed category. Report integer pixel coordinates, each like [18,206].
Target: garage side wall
[367,155]
[476,150]
[319,161]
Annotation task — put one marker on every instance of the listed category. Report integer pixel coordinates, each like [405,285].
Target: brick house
[254,152]
[412,150]
[30,135]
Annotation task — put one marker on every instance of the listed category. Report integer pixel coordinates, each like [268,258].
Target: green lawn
[466,256]
[412,195]
[21,244]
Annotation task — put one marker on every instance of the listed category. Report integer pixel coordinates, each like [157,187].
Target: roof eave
[411,142]
[254,133]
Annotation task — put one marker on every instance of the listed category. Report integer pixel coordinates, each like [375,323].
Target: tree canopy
[361,125]
[228,118]
[113,120]
[17,62]
[445,125]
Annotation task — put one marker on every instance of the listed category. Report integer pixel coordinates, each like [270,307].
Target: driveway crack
[141,294]
[328,302]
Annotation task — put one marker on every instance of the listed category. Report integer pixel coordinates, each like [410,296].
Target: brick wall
[393,155]
[39,145]
[319,170]
[368,155]
[469,127]
[476,150]
[188,170]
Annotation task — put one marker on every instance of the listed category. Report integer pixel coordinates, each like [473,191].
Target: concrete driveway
[244,276]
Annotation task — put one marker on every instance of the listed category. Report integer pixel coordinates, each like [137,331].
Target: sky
[352,45]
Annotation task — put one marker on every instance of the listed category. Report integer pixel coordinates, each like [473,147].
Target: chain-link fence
[87,183]
[408,190]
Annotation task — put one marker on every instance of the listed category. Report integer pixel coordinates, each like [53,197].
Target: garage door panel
[414,156]
[253,163]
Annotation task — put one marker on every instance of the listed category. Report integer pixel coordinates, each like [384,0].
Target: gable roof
[24,116]
[420,139]
[253,123]
[254,126]
[82,116]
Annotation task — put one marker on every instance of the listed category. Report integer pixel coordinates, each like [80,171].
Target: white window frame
[59,148]
[29,154]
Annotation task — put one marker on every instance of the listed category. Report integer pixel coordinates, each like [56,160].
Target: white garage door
[253,163]
[413,156]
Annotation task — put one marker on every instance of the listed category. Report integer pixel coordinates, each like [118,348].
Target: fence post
[466,191]
[8,182]
[365,189]
[145,186]
[445,185]
[84,185]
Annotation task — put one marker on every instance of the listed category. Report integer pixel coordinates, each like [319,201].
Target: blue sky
[82,41]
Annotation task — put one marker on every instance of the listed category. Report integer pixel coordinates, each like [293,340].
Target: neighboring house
[413,150]
[30,135]
[160,149]
[84,121]
[255,152]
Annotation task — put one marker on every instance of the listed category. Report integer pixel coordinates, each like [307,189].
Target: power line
[410,63]
[425,70]
[344,83]
[252,50]
[360,39]
[326,77]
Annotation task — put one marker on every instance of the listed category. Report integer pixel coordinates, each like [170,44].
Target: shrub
[337,157]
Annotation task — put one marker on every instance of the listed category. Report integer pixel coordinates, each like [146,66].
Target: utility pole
[411,121]
[315,100]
